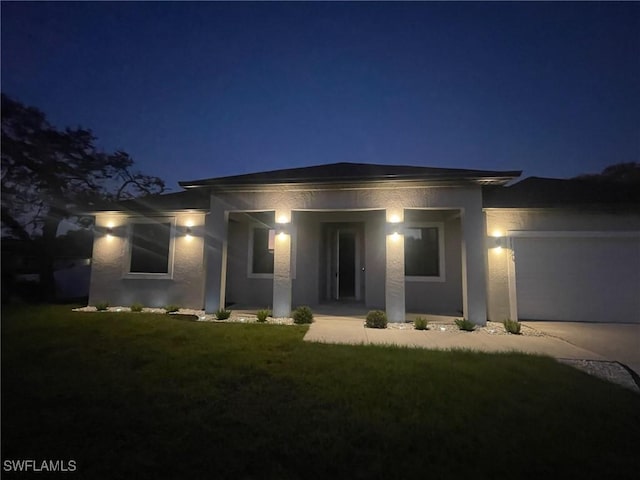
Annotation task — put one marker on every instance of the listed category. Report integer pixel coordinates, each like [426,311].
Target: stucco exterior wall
[311,208]
[438,297]
[109,282]
[501,222]
[242,290]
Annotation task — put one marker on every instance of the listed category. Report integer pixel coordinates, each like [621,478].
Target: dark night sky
[198,90]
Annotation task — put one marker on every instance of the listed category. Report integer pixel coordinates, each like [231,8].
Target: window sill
[148,276]
[260,275]
[424,279]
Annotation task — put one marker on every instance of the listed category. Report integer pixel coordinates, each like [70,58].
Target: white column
[394,276]
[216,225]
[474,286]
[282,265]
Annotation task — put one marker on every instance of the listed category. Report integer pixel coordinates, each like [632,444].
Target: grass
[148,396]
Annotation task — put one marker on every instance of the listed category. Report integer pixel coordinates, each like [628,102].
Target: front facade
[401,239]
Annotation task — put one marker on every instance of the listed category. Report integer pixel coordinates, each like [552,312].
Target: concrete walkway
[615,341]
[351,330]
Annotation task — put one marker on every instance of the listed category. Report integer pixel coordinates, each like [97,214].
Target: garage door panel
[593,279]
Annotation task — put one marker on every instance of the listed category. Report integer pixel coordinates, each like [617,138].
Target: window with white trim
[150,248]
[260,256]
[424,252]
[260,259]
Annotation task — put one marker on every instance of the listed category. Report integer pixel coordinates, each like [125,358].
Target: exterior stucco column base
[282,275]
[394,278]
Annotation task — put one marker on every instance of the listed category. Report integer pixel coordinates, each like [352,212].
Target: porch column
[394,277]
[282,265]
[474,286]
[216,225]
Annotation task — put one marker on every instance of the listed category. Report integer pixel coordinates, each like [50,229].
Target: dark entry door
[346,264]
[344,261]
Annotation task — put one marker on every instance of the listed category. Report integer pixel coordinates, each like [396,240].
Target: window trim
[441,252]
[127,273]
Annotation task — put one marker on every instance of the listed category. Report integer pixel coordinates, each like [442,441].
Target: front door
[344,259]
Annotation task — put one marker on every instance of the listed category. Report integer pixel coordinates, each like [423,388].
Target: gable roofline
[349,174]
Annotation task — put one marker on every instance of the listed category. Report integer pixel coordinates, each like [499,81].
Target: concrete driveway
[565,340]
[613,341]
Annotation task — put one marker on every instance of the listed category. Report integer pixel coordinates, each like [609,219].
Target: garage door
[587,279]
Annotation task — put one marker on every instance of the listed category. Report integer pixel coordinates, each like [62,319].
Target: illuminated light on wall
[497,243]
[394,229]
[394,218]
[395,236]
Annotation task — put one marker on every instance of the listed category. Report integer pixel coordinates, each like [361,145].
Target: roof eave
[230,185]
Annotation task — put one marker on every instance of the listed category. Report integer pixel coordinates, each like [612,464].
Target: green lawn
[150,396]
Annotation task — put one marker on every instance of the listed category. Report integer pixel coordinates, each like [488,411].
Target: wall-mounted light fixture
[395,229]
[497,242]
[282,229]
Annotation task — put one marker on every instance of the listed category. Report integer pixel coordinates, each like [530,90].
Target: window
[150,248]
[423,252]
[261,258]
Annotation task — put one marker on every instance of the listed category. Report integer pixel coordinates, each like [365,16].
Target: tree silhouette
[49,174]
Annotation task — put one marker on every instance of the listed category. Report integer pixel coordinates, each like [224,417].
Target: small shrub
[302,315]
[223,314]
[376,319]
[420,323]
[137,307]
[102,306]
[171,308]
[512,326]
[262,315]
[466,325]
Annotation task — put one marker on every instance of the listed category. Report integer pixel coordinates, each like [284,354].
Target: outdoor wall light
[109,231]
[187,231]
[395,229]
[498,242]
[282,229]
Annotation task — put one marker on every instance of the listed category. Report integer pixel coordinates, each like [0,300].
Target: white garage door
[586,279]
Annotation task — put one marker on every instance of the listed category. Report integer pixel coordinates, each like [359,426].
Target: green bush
[137,307]
[512,326]
[263,314]
[223,314]
[466,325]
[102,306]
[171,308]
[420,323]
[376,319]
[302,315]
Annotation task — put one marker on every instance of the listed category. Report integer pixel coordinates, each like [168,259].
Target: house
[398,238]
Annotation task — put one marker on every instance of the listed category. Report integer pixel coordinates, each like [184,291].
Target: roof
[185,200]
[537,192]
[348,173]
